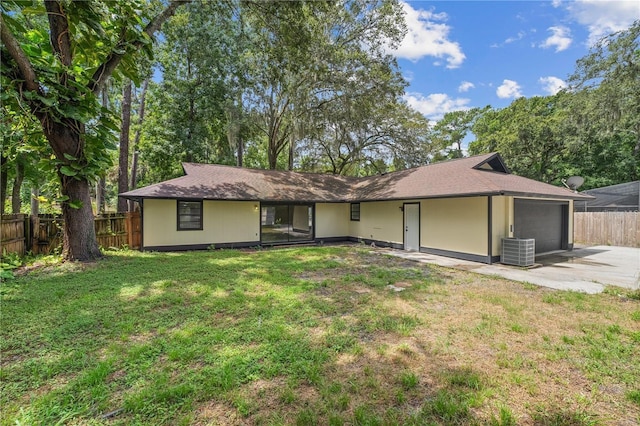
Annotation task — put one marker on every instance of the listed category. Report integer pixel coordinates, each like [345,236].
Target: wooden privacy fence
[607,228]
[42,234]
[12,229]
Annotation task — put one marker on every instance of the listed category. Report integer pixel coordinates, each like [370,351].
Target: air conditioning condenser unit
[518,251]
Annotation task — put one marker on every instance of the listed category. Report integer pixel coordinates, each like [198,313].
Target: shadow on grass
[555,416]
[172,338]
[153,333]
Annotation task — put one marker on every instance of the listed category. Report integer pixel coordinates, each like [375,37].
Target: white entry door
[412,227]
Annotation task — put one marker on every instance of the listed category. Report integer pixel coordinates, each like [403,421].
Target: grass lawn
[309,336]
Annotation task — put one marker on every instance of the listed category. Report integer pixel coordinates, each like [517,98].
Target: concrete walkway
[585,269]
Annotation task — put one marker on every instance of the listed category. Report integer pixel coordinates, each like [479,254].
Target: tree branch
[24,65]
[157,22]
[105,70]
[59,36]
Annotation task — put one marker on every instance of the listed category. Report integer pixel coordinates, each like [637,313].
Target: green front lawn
[308,336]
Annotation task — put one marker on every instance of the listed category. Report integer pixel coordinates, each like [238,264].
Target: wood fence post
[35,229]
[26,233]
[129,229]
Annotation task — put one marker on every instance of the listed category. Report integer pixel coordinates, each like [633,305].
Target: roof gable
[494,164]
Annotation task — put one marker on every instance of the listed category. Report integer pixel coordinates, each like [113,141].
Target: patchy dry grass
[309,336]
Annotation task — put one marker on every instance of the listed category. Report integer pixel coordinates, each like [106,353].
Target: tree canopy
[591,129]
[271,84]
[56,58]
[302,85]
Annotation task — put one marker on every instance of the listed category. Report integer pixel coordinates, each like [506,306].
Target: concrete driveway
[585,269]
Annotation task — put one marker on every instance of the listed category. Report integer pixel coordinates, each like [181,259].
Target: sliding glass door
[284,223]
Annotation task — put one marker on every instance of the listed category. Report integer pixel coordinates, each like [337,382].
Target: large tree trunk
[134,178]
[79,240]
[273,158]
[123,163]
[35,202]
[16,201]
[101,188]
[240,151]
[62,130]
[136,139]
[100,195]
[134,170]
[292,149]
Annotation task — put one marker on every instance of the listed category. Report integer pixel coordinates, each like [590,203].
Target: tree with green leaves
[123,146]
[260,81]
[592,129]
[23,154]
[307,56]
[282,71]
[367,136]
[449,133]
[603,141]
[187,108]
[56,57]
[529,134]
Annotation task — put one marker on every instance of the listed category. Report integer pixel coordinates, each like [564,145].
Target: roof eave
[568,196]
[257,199]
[128,196]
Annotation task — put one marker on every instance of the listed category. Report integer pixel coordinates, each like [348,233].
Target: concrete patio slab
[585,269]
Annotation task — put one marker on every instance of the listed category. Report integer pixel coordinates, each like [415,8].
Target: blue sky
[464,54]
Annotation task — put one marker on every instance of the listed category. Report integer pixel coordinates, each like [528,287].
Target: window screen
[355,211]
[189,215]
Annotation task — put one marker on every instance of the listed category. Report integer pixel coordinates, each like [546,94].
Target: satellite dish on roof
[574,182]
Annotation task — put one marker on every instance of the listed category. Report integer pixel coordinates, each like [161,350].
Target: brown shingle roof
[459,177]
[216,182]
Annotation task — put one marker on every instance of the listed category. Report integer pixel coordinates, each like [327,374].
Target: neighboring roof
[479,175]
[624,196]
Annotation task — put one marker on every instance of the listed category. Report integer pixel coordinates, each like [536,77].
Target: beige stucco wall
[379,220]
[223,222]
[455,224]
[332,220]
[502,211]
[511,216]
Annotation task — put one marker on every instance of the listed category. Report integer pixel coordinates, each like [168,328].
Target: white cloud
[509,89]
[408,75]
[520,36]
[465,86]
[509,40]
[560,38]
[436,105]
[556,3]
[428,36]
[552,85]
[604,17]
